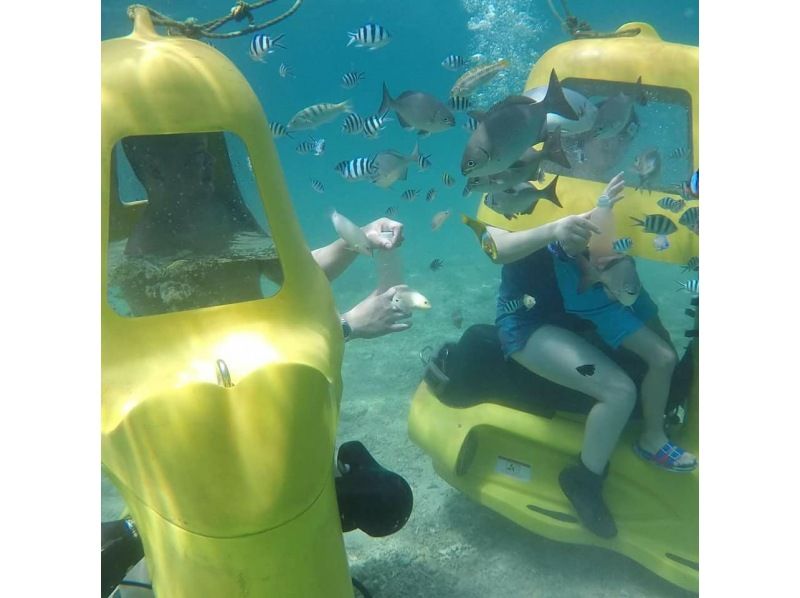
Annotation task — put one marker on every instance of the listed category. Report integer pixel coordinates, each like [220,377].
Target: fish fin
[553,150]
[637,221]
[423,134]
[347,105]
[353,38]
[404,175]
[549,192]
[555,101]
[467,190]
[387,102]
[641,95]
[415,153]
[477,114]
[403,123]
[510,100]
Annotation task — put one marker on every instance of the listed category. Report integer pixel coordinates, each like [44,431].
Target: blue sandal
[666,458]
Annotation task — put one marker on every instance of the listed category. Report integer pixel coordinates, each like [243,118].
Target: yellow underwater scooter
[506,450]
[218,424]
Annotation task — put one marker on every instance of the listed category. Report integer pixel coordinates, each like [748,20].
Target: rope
[581,29]
[240,11]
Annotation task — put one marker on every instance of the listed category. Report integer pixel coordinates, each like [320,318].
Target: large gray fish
[524,169]
[614,114]
[616,273]
[392,166]
[418,110]
[586,111]
[521,199]
[509,128]
[648,166]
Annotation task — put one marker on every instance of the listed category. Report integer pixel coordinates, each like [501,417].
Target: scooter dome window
[187,227]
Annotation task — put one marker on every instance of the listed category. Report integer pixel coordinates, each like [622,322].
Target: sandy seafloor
[452,546]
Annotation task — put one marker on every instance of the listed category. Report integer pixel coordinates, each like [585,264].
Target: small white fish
[285,70]
[661,242]
[351,234]
[319,147]
[438,219]
[408,299]
[525,302]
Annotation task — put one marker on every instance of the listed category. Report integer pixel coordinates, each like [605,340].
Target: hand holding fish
[376,315]
[573,233]
[374,231]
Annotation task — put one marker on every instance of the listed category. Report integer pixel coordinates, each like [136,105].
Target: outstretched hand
[374,231]
[377,315]
[613,190]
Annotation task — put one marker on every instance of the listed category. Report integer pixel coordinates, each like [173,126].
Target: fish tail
[415,153]
[641,96]
[549,192]
[553,149]
[347,106]
[353,38]
[637,221]
[386,102]
[555,100]
[276,40]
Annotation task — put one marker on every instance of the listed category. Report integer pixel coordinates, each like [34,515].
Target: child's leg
[661,360]
[555,353]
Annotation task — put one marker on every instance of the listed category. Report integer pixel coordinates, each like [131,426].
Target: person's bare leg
[555,353]
[661,360]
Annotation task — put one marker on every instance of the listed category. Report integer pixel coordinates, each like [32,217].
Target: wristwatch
[347,331]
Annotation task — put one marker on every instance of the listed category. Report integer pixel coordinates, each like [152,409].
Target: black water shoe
[583,488]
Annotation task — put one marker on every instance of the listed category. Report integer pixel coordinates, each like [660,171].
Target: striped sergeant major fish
[424,161]
[461,103]
[671,204]
[448,180]
[261,45]
[693,264]
[679,152]
[453,62]
[691,220]
[373,125]
[278,131]
[622,245]
[692,285]
[357,169]
[410,194]
[511,306]
[306,147]
[371,35]
[317,186]
[351,79]
[470,124]
[285,70]
[353,124]
[658,224]
[430,195]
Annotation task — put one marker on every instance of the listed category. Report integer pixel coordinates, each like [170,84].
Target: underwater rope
[195,30]
[582,29]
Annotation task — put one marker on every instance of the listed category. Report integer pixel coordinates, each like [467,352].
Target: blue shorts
[515,330]
[613,320]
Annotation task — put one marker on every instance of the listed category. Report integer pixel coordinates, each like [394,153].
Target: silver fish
[586,111]
[509,128]
[525,169]
[418,110]
[392,166]
[648,165]
[316,115]
[615,113]
[521,199]
[476,77]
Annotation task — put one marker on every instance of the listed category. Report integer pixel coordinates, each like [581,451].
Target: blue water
[423,33]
